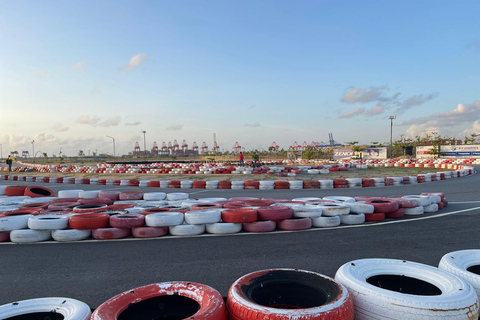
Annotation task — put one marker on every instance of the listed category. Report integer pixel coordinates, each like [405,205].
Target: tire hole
[474,269]
[161,308]
[38,316]
[404,284]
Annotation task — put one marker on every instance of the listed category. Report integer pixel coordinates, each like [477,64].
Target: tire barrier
[396,289]
[465,265]
[46,308]
[284,294]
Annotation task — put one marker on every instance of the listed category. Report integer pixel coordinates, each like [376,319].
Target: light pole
[391,133]
[33,147]
[1,151]
[145,144]
[113,145]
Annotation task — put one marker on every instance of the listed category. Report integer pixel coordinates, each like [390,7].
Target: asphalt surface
[94,271]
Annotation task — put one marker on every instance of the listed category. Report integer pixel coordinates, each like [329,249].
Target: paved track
[94,271]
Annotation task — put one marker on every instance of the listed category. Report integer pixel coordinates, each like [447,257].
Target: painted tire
[421,200]
[274,213]
[203,216]
[187,229]
[326,222]
[339,198]
[48,222]
[223,228]
[414,211]
[10,223]
[28,235]
[295,224]
[71,235]
[15,191]
[465,265]
[110,233]
[89,208]
[131,195]
[396,289]
[306,211]
[334,209]
[164,219]
[430,208]
[259,226]
[146,212]
[70,309]
[397,214]
[36,191]
[281,294]
[352,218]
[127,220]
[180,300]
[359,207]
[149,232]
[89,221]
[157,196]
[204,206]
[372,217]
[239,215]
[112,195]
[383,205]
[175,196]
[69,193]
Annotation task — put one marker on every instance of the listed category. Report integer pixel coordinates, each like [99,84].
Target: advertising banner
[424,152]
[461,151]
[339,154]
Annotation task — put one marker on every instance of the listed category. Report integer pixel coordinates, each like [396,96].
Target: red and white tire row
[362,289]
[78,215]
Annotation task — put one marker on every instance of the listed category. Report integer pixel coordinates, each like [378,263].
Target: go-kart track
[94,271]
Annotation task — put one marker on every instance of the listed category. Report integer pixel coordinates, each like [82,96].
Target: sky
[251,71]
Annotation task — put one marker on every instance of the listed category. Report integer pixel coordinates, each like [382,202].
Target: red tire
[234,204]
[199,184]
[54,201]
[154,210]
[133,183]
[110,233]
[311,184]
[89,221]
[384,205]
[35,192]
[251,184]
[375,216]
[120,206]
[15,191]
[284,294]
[106,201]
[205,206]
[445,203]
[89,208]
[4,236]
[274,213]
[394,215]
[127,220]
[260,226]
[224,185]
[149,232]
[154,184]
[112,195]
[40,206]
[295,224]
[179,300]
[131,195]
[239,215]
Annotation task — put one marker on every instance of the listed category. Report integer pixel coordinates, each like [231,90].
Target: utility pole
[33,147]
[145,144]
[113,145]
[391,134]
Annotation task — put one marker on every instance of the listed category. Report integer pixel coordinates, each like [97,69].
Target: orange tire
[89,221]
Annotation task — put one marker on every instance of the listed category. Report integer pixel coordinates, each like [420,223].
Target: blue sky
[72,72]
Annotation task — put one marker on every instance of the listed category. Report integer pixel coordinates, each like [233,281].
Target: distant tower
[136,150]
[155,149]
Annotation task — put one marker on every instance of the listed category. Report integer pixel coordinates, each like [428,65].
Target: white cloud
[80,66]
[252,125]
[177,127]
[134,62]
[352,113]
[416,100]
[96,121]
[136,123]
[474,129]
[361,95]
[378,109]
[59,127]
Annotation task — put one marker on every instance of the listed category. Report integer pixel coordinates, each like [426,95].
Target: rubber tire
[149,232]
[414,211]
[326,222]
[203,216]
[110,233]
[164,219]
[295,224]
[210,301]
[306,211]
[275,213]
[259,226]
[223,228]
[48,222]
[187,229]
[127,220]
[375,217]
[70,309]
[456,300]
[35,192]
[334,209]
[261,295]
[384,205]
[71,235]
[15,191]
[29,236]
[458,262]
[239,215]
[352,218]
[89,221]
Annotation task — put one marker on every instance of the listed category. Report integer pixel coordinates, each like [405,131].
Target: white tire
[339,198]
[421,200]
[69,193]
[164,184]
[326,184]
[39,200]
[435,198]
[415,211]
[354,182]
[396,289]
[326,222]
[360,207]
[286,204]
[71,235]
[48,222]
[352,218]
[462,264]
[176,196]
[164,219]
[155,196]
[223,228]
[14,222]
[306,212]
[28,235]
[70,309]
[187,229]
[430,208]
[211,200]
[91,194]
[307,199]
[334,209]
[203,216]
